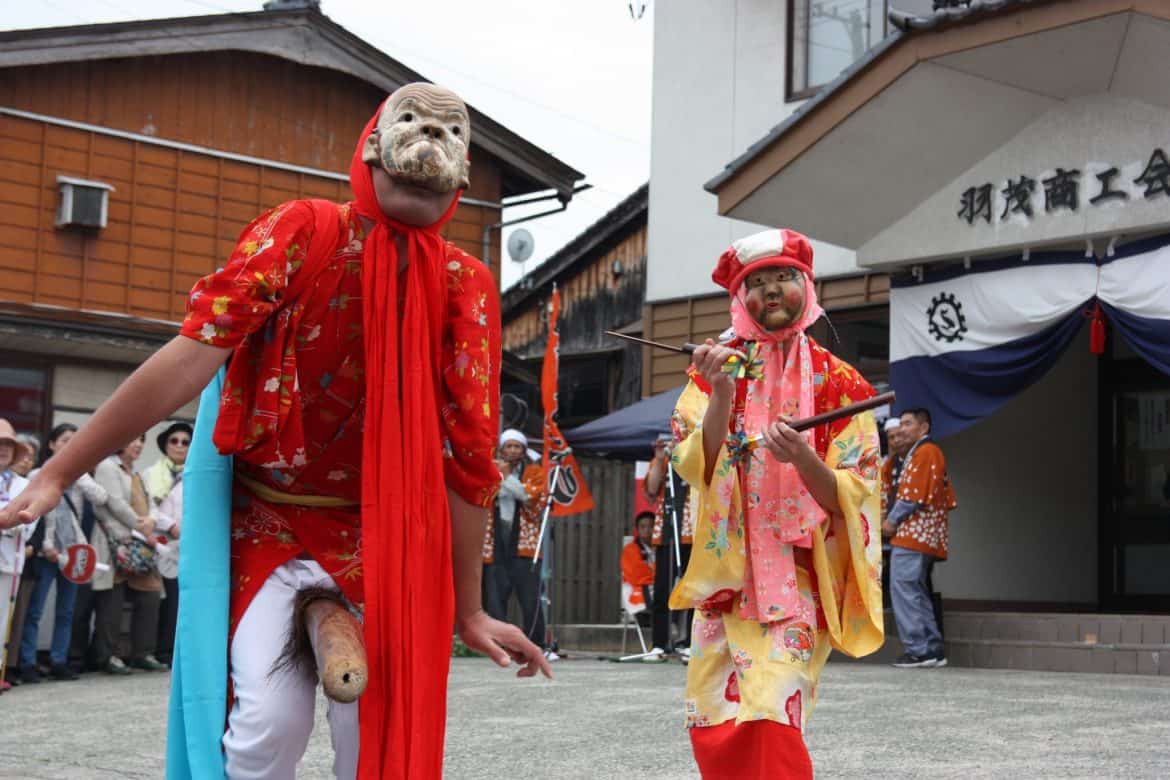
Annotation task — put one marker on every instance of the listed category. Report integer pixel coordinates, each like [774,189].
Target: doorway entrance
[1135,495]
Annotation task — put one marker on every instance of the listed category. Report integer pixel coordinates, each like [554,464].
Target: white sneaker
[551,655]
[684,653]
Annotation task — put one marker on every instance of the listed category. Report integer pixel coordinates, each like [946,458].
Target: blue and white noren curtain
[964,342]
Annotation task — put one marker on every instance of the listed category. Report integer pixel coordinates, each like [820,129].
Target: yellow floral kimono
[747,670]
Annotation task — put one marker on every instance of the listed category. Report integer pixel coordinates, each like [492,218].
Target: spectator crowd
[120,614]
[110,547]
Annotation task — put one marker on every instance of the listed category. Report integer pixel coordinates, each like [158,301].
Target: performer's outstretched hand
[503,643]
[41,495]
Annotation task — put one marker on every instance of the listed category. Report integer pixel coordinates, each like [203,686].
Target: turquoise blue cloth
[198,704]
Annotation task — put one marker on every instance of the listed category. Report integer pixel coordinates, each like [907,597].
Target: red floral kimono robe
[319,374]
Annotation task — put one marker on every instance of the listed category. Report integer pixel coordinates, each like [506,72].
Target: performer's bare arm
[708,359]
[170,378]
[499,641]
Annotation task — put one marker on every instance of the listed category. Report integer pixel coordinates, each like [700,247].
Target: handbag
[131,558]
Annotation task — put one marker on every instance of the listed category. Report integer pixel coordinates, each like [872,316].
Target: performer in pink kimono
[787,545]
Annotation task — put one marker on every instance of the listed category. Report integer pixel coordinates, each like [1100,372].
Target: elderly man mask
[422,138]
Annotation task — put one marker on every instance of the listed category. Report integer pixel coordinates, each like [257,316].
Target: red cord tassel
[1097,330]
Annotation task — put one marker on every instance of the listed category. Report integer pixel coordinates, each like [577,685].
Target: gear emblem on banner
[945,320]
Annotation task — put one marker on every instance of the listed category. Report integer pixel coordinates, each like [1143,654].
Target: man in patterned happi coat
[360,406]
[787,551]
[921,499]
[513,531]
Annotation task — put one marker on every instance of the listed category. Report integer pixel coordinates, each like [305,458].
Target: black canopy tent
[629,433]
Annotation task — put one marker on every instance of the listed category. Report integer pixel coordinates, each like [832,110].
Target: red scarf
[406,527]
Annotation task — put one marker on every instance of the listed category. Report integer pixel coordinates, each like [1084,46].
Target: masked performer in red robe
[360,405]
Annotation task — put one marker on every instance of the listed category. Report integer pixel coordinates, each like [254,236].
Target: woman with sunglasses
[160,481]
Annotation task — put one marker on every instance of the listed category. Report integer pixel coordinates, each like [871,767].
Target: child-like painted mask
[769,273]
[774,296]
[422,138]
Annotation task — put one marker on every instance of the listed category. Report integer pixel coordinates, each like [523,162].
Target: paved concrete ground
[603,720]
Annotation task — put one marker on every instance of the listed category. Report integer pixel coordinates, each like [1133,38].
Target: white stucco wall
[719,73]
[80,389]
[1089,134]
[1026,482]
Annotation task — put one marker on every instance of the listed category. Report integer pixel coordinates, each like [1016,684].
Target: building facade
[601,277]
[174,134]
[725,72]
[1007,167]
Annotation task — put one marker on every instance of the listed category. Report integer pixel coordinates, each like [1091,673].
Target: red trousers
[754,749]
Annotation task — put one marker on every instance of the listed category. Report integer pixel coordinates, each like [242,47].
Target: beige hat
[8,433]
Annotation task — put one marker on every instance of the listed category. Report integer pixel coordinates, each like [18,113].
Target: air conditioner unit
[83,203]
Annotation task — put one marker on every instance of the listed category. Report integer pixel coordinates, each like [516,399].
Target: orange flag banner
[570,494]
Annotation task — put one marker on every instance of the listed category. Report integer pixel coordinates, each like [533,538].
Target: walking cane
[544,601]
[11,605]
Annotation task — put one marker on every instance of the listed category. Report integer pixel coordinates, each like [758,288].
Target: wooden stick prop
[845,411]
[687,348]
[797,425]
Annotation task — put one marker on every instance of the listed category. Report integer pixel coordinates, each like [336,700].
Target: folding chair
[630,615]
[630,611]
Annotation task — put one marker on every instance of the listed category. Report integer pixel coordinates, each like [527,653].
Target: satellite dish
[520,245]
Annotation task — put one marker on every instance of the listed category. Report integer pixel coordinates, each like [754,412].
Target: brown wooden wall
[173,217]
[233,101]
[238,102]
[695,319]
[524,332]
[587,577]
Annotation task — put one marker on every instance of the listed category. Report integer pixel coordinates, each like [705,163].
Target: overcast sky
[571,76]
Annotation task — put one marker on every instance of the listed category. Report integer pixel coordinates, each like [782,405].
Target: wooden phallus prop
[326,638]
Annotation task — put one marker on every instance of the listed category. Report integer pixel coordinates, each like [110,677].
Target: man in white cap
[12,540]
[509,546]
[896,447]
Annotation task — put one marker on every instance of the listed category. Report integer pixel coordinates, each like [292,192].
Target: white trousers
[272,716]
